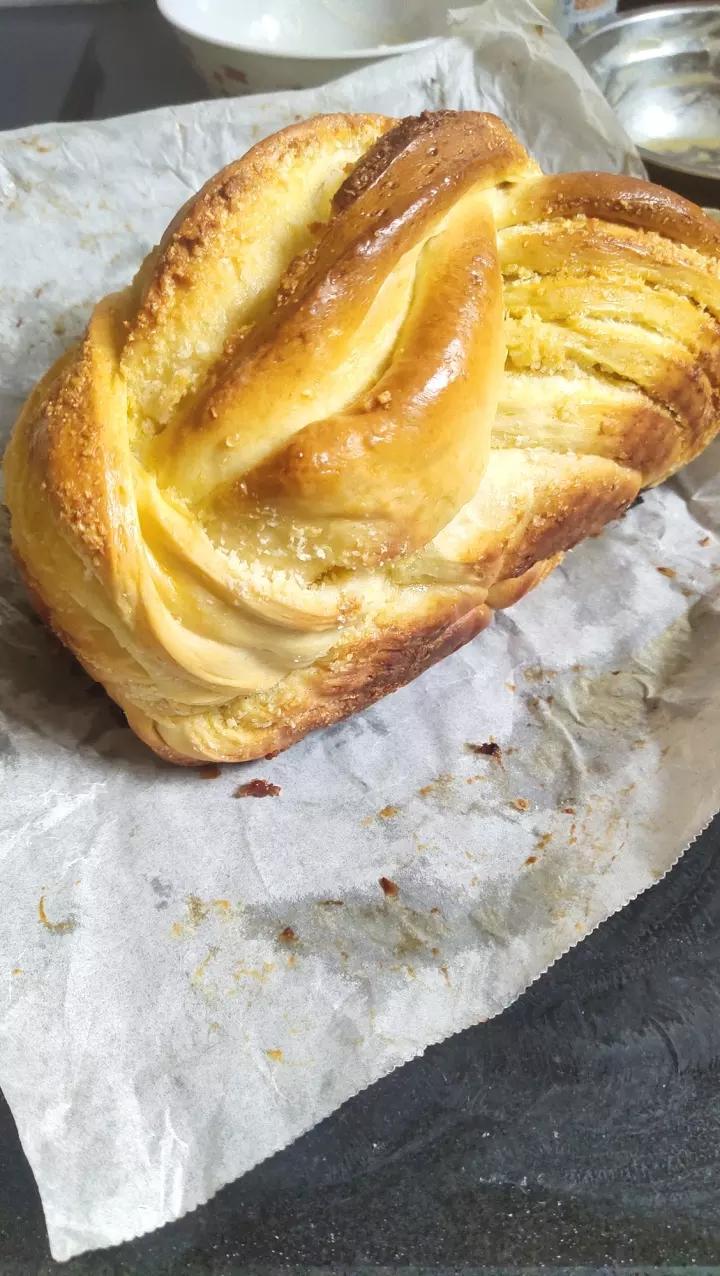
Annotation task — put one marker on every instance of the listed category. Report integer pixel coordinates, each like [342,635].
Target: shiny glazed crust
[374,381]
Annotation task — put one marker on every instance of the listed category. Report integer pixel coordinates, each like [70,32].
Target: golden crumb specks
[536,673]
[381,400]
[253,974]
[198,912]
[437,787]
[64,927]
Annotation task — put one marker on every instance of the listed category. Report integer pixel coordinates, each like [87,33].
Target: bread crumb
[488,750]
[257,789]
[440,782]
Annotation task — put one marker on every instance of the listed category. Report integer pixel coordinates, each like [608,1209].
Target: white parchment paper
[188,981]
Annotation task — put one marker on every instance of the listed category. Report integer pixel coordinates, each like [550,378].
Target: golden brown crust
[618,198]
[582,507]
[353,677]
[199,230]
[216,268]
[347,469]
[284,472]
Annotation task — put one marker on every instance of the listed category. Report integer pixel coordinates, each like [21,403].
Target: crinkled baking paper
[189,980]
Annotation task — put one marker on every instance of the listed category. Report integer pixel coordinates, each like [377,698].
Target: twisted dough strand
[322,435]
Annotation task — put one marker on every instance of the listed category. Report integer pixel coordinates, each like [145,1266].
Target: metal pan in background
[660,70]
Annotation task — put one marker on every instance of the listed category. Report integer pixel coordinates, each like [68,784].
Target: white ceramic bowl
[253,46]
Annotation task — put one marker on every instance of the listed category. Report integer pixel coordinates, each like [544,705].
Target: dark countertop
[581,1129]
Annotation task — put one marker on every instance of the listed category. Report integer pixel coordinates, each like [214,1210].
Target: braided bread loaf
[373,382]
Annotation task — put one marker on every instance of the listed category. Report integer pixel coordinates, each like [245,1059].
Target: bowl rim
[166,8]
[659,160]
[636,17]
[633,17]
